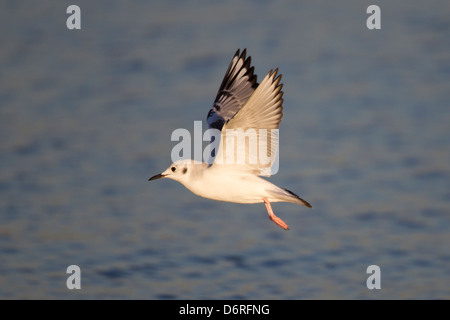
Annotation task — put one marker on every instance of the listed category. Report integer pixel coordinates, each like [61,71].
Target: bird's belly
[230,191]
[236,197]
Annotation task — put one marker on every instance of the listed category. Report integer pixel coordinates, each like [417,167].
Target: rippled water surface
[86,118]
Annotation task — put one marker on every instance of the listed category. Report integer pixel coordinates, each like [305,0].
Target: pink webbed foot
[273,217]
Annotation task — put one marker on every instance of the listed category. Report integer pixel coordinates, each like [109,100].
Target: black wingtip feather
[304,202]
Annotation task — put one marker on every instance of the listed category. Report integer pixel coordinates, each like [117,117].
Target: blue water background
[86,118]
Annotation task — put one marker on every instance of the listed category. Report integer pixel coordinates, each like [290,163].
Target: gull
[241,104]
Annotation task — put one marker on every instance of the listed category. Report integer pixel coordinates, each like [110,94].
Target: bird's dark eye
[184,170]
[173,169]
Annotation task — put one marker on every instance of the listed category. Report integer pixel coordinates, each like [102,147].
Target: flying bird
[241,106]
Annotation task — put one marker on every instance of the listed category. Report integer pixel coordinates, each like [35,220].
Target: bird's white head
[180,171]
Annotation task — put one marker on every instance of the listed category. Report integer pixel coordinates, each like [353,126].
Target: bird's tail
[289,196]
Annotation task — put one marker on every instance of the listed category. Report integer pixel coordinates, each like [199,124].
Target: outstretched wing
[237,86]
[256,122]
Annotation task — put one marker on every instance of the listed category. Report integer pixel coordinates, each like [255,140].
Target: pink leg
[273,217]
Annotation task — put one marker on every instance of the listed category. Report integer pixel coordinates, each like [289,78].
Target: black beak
[158,176]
